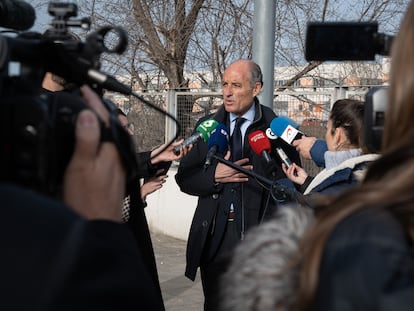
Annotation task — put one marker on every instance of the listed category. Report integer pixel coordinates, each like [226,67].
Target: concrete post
[171,107]
[264,46]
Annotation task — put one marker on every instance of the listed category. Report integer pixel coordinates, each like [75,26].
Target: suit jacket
[52,259]
[214,199]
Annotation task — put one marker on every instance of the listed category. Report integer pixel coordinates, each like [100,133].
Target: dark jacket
[137,220]
[146,169]
[367,264]
[52,259]
[339,178]
[214,199]
[317,152]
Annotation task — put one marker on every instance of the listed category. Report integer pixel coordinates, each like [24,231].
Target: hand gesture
[226,174]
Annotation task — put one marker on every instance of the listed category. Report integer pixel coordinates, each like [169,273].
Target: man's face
[237,91]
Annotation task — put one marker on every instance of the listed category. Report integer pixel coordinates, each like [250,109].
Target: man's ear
[257,88]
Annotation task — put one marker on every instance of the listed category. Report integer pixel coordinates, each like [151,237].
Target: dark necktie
[236,140]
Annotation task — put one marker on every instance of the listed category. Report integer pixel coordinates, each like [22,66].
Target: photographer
[81,257]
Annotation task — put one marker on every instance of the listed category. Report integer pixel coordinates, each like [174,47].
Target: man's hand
[226,174]
[94,181]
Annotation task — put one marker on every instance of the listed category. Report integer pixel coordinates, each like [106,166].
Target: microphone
[260,144]
[285,159]
[16,14]
[203,131]
[279,191]
[217,143]
[285,128]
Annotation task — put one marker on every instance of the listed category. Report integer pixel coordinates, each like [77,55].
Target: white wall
[169,210]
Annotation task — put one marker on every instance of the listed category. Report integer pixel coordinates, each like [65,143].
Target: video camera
[349,41]
[37,127]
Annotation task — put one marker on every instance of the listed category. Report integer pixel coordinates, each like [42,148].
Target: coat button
[215,196]
[204,223]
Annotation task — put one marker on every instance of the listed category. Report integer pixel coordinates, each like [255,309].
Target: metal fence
[305,107]
[308,107]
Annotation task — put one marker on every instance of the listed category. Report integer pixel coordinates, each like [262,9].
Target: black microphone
[217,143]
[279,191]
[16,14]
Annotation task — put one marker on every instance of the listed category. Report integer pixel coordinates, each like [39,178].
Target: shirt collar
[249,115]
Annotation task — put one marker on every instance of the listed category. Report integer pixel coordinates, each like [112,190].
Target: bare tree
[169,38]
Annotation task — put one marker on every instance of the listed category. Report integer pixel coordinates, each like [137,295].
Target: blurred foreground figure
[75,255]
[358,252]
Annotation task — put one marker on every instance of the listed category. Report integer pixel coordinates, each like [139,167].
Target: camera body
[38,126]
[353,41]
[375,108]
[345,41]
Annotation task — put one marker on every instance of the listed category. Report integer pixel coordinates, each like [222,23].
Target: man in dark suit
[229,202]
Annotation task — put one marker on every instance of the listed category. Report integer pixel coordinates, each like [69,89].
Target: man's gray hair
[256,74]
[258,277]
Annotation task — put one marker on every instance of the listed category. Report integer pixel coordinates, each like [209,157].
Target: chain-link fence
[308,107]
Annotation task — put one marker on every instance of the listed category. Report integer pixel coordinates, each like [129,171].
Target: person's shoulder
[266,114]
[267,110]
[319,146]
[14,197]
[370,225]
[218,116]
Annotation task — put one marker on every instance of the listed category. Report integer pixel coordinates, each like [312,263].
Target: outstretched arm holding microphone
[308,147]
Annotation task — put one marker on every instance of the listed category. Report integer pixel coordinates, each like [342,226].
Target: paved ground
[180,294]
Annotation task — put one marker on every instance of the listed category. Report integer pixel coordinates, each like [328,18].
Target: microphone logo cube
[289,134]
[257,136]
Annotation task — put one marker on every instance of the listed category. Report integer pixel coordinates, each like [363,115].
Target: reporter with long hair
[358,255]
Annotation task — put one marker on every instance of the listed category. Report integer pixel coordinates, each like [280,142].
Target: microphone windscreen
[206,127]
[259,142]
[284,128]
[219,137]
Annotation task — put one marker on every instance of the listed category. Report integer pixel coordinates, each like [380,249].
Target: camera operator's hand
[94,182]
